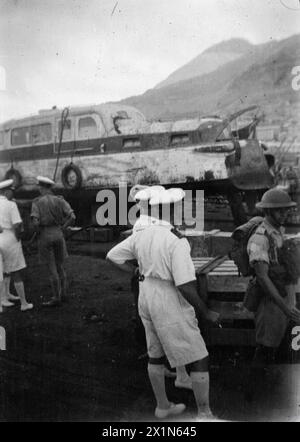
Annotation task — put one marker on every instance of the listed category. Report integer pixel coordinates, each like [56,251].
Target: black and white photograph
[149,213]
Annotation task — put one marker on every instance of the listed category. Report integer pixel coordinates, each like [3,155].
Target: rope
[63,119]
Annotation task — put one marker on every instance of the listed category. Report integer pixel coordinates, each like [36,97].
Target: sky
[67,52]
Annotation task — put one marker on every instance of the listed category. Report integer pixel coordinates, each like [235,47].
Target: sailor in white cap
[10,245]
[182,378]
[51,215]
[168,302]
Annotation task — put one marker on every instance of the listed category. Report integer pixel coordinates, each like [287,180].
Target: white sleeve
[183,269]
[15,214]
[122,252]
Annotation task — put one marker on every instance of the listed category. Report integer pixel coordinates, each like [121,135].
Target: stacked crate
[221,287]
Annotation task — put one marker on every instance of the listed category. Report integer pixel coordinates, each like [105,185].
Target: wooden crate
[221,287]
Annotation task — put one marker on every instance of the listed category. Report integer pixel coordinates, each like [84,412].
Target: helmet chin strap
[272,220]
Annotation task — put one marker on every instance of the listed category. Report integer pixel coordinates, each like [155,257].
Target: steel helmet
[275,199]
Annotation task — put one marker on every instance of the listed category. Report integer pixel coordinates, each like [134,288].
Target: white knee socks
[157,379]
[200,383]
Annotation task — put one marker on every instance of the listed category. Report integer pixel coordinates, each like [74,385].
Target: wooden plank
[227,264]
[224,269]
[205,259]
[231,311]
[227,283]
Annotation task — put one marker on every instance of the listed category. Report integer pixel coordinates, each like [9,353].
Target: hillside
[261,76]
[208,61]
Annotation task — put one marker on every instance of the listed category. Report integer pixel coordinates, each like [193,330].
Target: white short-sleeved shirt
[9,213]
[160,253]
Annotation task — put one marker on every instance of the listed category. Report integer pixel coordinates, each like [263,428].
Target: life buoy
[71,177]
[14,174]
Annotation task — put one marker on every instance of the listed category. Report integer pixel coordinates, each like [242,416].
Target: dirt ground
[81,361]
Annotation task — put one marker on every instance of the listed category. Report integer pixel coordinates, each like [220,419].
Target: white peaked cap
[6,184]
[173,195]
[45,180]
[147,193]
[135,189]
[159,195]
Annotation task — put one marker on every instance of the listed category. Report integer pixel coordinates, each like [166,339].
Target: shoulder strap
[177,233]
[272,251]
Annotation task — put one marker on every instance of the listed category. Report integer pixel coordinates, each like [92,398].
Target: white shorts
[11,251]
[170,324]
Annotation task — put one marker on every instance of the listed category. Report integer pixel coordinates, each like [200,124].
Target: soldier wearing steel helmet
[274,309]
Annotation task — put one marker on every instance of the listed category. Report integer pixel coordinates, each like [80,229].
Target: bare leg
[4,296]
[9,296]
[19,286]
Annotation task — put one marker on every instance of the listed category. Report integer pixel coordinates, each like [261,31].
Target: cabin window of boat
[123,115]
[67,130]
[131,142]
[179,139]
[87,128]
[225,135]
[41,133]
[20,136]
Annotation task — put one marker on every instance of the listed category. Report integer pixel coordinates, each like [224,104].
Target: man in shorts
[182,379]
[275,309]
[51,215]
[167,302]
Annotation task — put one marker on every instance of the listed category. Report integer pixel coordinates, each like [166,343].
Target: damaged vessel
[85,149]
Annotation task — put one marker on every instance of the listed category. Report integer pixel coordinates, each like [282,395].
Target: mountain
[262,75]
[210,60]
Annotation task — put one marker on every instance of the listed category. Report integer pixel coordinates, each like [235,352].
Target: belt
[143,277]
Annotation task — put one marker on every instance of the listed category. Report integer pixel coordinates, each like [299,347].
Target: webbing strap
[212,264]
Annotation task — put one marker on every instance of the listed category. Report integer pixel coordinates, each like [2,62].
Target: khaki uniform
[164,261]
[51,212]
[12,258]
[270,322]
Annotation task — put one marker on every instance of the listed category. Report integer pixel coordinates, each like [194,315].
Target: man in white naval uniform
[168,302]
[182,379]
[10,244]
